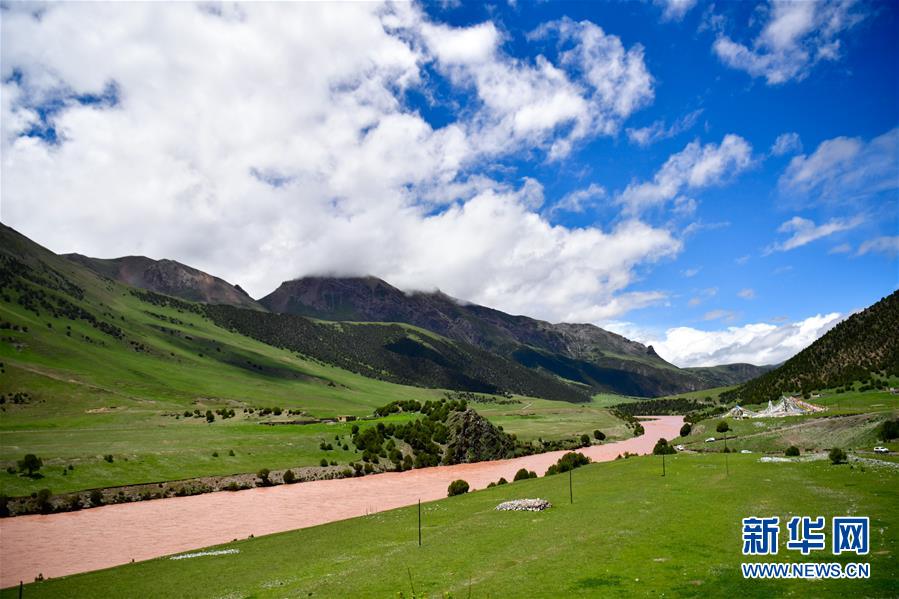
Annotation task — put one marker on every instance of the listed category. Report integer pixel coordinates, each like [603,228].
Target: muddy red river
[68,543]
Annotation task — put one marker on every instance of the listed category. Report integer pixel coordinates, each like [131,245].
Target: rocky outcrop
[473,438]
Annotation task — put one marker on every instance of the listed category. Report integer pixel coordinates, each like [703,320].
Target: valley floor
[67,543]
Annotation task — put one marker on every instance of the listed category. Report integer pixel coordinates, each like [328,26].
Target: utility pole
[570,489]
[726,468]
[419,522]
[663,465]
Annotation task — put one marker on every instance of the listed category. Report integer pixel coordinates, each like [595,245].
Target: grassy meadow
[629,532]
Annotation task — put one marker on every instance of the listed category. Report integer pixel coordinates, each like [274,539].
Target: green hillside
[864,347]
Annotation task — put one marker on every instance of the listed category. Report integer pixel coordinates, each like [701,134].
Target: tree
[457,487]
[837,456]
[585,440]
[662,447]
[289,477]
[30,464]
[889,430]
[599,435]
[638,429]
[323,463]
[210,417]
[686,429]
[723,428]
[96,498]
[792,451]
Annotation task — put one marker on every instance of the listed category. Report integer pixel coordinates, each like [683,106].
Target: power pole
[570,490]
[663,465]
[419,522]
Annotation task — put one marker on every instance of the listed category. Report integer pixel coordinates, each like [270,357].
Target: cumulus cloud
[265,141]
[843,168]
[747,293]
[889,246]
[795,37]
[694,167]
[805,231]
[759,343]
[786,143]
[674,10]
[645,136]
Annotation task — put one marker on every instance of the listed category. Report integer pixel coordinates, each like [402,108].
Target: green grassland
[850,421]
[628,533]
[540,418]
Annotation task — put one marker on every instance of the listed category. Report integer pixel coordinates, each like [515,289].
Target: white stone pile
[524,505]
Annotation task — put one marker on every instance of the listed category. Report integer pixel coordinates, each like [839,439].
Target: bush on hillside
[792,451]
[599,435]
[722,427]
[30,464]
[585,440]
[686,429]
[521,475]
[289,477]
[263,476]
[457,487]
[43,501]
[569,461]
[95,498]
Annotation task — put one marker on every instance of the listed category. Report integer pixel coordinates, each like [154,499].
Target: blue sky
[719,180]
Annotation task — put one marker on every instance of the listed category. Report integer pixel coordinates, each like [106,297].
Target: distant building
[345,418]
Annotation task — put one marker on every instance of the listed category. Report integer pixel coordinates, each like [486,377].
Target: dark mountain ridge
[582,353]
[863,347]
[168,277]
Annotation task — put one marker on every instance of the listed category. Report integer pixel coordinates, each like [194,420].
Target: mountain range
[367,326]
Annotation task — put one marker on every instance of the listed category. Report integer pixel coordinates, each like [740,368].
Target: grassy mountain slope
[729,374]
[581,353]
[863,345]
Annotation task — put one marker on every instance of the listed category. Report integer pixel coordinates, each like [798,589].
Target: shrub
[889,430]
[522,474]
[792,451]
[502,481]
[30,464]
[837,456]
[289,477]
[95,498]
[10,470]
[215,454]
[4,505]
[457,487]
[108,458]
[585,440]
[210,417]
[323,463]
[231,452]
[43,501]
[722,427]
[599,435]
[638,429]
[263,476]
[686,429]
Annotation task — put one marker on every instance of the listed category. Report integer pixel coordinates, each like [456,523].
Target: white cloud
[843,248]
[888,246]
[843,168]
[805,231]
[579,199]
[719,314]
[266,141]
[759,343]
[786,143]
[645,136]
[674,10]
[796,36]
[694,167]
[690,272]
[747,293]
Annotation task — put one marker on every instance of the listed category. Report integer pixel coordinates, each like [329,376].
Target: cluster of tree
[863,344]
[677,405]
[19,397]
[503,399]
[889,430]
